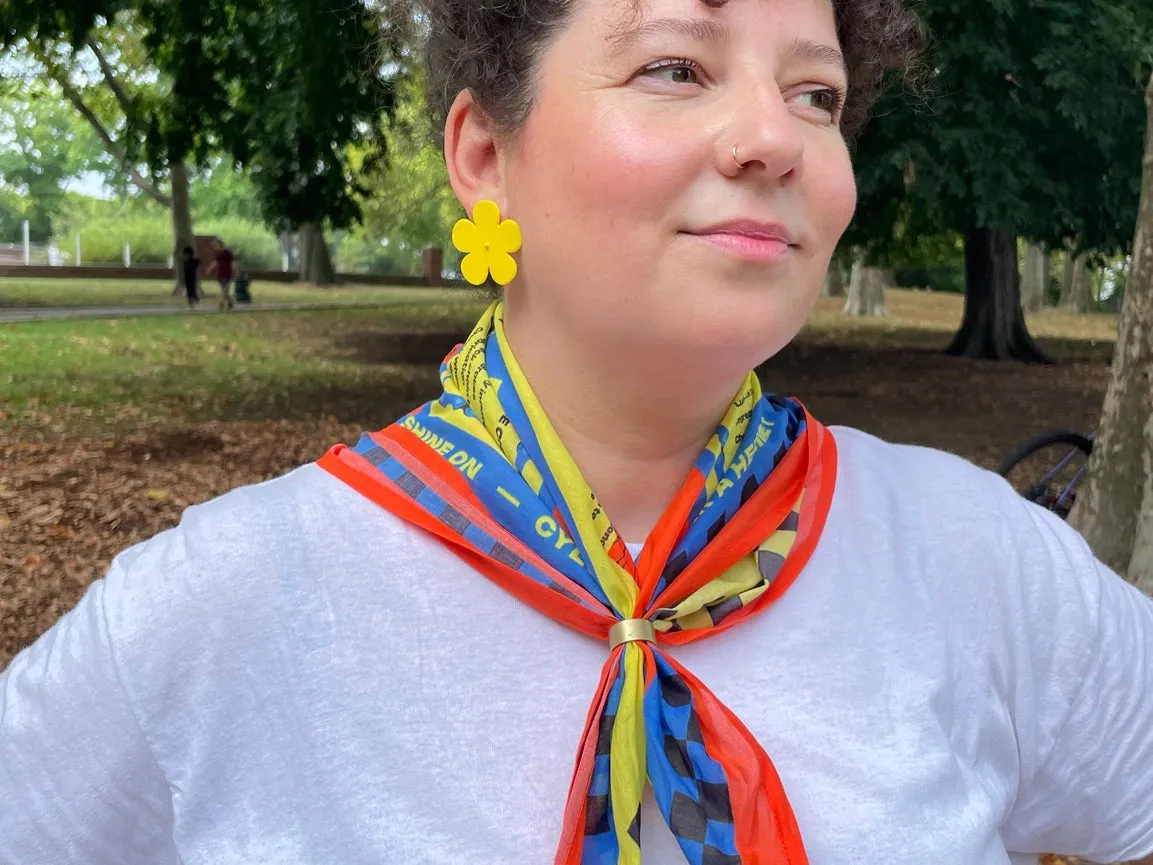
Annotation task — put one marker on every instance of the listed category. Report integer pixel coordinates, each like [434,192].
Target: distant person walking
[191,266]
[224,267]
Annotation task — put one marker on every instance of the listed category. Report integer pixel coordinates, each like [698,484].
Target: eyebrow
[818,52]
[700,29]
[707,30]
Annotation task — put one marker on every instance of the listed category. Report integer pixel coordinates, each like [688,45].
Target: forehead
[621,22]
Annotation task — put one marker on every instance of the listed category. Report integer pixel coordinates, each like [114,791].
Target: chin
[758,322]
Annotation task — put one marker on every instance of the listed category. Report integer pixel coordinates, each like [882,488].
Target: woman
[815,657]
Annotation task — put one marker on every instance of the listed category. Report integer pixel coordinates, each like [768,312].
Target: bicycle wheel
[1047,469]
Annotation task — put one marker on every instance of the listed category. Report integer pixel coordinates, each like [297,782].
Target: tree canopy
[42,146]
[1028,122]
[1029,118]
[286,89]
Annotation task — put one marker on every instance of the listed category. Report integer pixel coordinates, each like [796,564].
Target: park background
[997,281]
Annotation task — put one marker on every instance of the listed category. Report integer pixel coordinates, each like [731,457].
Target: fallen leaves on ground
[68,506]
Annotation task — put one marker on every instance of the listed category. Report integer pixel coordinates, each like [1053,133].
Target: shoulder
[956,529]
[919,486]
[245,548]
[244,584]
[866,458]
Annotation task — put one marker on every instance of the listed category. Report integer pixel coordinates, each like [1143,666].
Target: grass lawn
[921,319]
[102,375]
[108,375]
[16,293]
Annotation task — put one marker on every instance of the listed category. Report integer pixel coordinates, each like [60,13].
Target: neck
[633,429]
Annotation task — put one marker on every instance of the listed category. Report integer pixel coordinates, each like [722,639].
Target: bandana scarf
[482,469]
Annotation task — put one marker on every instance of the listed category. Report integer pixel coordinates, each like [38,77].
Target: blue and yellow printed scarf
[482,469]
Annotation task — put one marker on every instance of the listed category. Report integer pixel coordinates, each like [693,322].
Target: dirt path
[207,307]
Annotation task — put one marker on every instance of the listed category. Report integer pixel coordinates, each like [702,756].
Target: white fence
[56,254]
[253,251]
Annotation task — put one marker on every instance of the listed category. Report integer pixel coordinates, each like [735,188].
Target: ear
[471,154]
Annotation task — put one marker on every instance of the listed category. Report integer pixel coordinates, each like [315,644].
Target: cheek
[613,168]
[833,195]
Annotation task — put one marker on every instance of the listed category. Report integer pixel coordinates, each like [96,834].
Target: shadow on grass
[371,347]
[396,373]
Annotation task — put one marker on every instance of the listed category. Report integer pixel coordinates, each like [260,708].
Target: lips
[752,229]
[749,240]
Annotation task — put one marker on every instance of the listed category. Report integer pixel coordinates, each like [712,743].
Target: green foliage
[1033,123]
[150,239]
[409,202]
[80,210]
[102,242]
[222,191]
[42,145]
[286,87]
[360,253]
[11,217]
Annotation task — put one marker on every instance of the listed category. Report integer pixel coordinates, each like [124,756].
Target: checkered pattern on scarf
[695,805]
[600,832]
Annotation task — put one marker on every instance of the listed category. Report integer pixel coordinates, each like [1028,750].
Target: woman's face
[682,182]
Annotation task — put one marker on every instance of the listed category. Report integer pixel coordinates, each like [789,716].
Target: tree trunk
[1081,286]
[1077,286]
[1046,276]
[181,218]
[1067,278]
[315,261]
[994,325]
[834,284]
[288,250]
[1114,509]
[866,290]
[1036,279]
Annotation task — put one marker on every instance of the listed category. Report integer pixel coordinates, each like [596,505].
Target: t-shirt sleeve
[78,781]
[1086,638]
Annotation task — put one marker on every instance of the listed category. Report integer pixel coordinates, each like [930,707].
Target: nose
[762,136]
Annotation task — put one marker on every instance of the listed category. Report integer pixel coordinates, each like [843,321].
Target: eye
[674,70]
[828,99]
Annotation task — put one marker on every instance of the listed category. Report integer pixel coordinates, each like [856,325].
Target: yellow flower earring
[488,244]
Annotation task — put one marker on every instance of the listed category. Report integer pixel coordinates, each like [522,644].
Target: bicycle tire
[1055,437]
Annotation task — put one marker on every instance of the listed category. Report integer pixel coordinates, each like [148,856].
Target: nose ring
[736,158]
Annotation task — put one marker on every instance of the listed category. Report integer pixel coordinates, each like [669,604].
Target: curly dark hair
[492,48]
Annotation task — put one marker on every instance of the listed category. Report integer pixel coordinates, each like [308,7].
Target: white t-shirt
[294,676]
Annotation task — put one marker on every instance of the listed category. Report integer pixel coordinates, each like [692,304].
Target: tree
[1077,283]
[11,217]
[112,85]
[1114,510]
[290,90]
[1035,280]
[1026,137]
[834,284]
[286,87]
[866,290]
[408,200]
[221,190]
[42,147]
